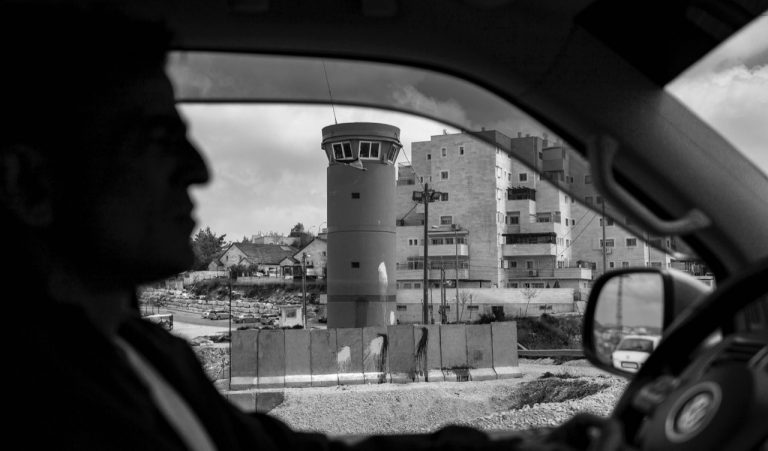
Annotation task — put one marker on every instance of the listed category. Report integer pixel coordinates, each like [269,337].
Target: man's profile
[95,168]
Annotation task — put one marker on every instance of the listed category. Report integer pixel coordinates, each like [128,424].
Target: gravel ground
[426,407]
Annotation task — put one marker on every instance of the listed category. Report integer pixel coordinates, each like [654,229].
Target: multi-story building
[500,223]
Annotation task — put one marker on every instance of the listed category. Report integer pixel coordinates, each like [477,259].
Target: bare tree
[529,293]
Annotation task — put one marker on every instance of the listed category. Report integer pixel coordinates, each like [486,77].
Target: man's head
[95,165]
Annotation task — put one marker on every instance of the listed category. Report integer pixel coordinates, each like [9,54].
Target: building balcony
[543,227]
[573,273]
[445,250]
[515,250]
[558,273]
[434,274]
[524,206]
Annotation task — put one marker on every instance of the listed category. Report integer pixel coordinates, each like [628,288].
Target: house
[316,253]
[268,258]
[274,238]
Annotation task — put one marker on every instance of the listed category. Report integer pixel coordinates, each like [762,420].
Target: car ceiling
[580,67]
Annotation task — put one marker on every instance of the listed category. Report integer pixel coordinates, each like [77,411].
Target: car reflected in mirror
[628,311]
[628,319]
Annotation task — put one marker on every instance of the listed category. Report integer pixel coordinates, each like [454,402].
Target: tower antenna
[330,95]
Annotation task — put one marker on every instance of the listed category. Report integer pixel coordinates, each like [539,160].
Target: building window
[429,156]
[608,242]
[416,285]
[443,175]
[443,152]
[473,307]
[356,265]
[461,150]
[324,253]
[369,150]
[587,179]
[611,265]
[446,220]
[355,195]
[608,221]
[449,241]
[511,284]
[413,242]
[631,242]
[655,264]
[392,154]
[544,217]
[402,308]
[625,264]
[342,151]
[437,241]
[444,197]
[513,218]
[461,240]
[523,177]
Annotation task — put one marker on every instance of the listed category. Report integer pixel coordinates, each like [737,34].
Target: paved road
[190,325]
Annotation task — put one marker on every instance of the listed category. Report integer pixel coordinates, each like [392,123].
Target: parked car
[633,350]
[246,318]
[217,314]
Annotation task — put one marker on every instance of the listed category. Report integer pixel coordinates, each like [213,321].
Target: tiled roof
[269,254]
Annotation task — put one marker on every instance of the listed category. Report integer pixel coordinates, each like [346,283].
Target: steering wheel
[717,399]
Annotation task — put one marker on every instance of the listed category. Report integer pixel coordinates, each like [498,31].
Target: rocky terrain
[561,391]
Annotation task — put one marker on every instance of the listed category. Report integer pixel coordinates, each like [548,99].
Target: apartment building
[495,218]
[494,222]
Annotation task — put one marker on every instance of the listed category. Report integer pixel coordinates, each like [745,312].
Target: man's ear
[26,185]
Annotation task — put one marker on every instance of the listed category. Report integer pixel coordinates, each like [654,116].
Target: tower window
[369,150]
[429,156]
[355,195]
[355,265]
[342,151]
[443,175]
[461,150]
[523,177]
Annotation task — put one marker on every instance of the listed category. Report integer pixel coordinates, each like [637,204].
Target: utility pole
[443,303]
[456,242]
[425,309]
[304,288]
[426,196]
[605,265]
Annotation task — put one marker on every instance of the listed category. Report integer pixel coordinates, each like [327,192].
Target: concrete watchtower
[361,223]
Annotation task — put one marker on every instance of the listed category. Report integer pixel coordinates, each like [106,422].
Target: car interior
[594,73]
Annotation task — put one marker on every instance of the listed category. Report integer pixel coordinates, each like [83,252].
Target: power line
[330,95]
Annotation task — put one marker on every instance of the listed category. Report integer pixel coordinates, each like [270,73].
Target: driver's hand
[588,432]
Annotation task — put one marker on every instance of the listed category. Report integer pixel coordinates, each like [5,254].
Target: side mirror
[628,311]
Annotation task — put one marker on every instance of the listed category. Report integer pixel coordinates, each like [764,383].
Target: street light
[304,256]
[425,197]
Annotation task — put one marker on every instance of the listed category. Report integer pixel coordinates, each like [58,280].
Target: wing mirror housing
[628,311]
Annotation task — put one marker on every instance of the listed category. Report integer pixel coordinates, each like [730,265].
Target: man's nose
[193,170]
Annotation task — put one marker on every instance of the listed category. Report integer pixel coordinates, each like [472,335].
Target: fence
[398,354]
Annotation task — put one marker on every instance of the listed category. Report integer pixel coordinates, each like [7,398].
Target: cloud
[734,101]
[268,170]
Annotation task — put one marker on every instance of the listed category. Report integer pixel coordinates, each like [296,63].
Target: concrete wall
[514,301]
[399,354]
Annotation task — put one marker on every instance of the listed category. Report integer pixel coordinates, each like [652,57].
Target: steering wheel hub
[692,411]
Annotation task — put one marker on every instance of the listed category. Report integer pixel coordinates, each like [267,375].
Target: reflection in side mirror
[628,319]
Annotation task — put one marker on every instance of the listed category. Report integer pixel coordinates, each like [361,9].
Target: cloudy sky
[269,171]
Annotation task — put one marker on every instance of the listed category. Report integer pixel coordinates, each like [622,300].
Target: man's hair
[60,61]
